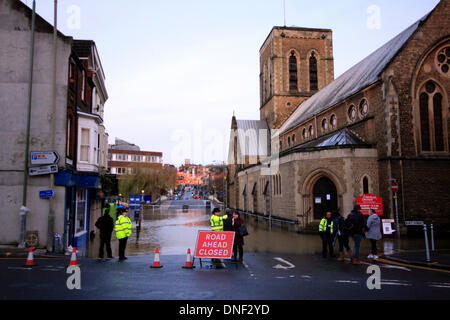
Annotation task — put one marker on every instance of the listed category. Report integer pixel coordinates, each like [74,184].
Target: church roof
[342,138]
[250,136]
[361,75]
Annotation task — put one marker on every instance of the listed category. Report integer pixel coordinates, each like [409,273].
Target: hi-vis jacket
[123,227]
[217,222]
[323,225]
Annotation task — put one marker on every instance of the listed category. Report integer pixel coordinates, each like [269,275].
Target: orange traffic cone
[30,259]
[156,263]
[188,260]
[73,258]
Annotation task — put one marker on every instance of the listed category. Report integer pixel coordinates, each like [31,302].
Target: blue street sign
[45,194]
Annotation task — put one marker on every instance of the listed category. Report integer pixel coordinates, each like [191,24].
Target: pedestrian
[355,226]
[123,231]
[216,220]
[228,222]
[238,238]
[342,236]
[373,233]
[326,233]
[106,226]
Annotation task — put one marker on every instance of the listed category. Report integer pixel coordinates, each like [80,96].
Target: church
[322,142]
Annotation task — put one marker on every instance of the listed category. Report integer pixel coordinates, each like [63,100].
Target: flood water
[173,230]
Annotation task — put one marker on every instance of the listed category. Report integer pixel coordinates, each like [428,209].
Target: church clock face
[443,60]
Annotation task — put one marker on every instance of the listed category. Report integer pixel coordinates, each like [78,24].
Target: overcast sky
[176,70]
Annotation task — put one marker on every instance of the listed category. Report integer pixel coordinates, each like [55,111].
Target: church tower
[294,64]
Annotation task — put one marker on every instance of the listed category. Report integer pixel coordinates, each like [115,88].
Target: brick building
[332,140]
[126,158]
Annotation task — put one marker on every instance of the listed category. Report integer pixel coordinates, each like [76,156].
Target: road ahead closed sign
[214,244]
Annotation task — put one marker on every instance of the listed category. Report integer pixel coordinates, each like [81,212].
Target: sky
[177,70]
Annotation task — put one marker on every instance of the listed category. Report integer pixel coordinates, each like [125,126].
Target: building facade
[384,119]
[79,131]
[126,158]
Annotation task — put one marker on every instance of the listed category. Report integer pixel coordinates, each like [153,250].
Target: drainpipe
[24,209]
[51,213]
[246,193]
[270,197]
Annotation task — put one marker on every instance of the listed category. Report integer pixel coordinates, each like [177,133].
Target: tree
[154,181]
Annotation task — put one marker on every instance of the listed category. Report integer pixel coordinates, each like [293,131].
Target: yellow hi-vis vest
[123,227]
[323,226]
[217,222]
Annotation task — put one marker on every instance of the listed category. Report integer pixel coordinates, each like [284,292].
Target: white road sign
[36,171]
[43,157]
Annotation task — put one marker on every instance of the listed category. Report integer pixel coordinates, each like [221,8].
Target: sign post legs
[427,250]
[432,237]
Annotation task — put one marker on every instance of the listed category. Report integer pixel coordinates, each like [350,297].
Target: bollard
[432,237]
[427,250]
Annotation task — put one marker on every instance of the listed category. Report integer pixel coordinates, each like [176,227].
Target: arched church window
[352,113]
[443,60]
[324,125]
[363,108]
[293,72]
[313,72]
[304,134]
[365,185]
[333,121]
[431,113]
[311,131]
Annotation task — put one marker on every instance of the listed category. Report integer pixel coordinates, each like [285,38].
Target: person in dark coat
[228,222]
[355,226]
[238,239]
[106,226]
[342,236]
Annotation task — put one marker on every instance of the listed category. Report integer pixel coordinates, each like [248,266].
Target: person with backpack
[342,236]
[355,226]
[373,233]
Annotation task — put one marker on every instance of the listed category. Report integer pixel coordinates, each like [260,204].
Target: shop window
[81,208]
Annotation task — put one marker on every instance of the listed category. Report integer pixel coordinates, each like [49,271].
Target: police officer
[123,231]
[327,235]
[216,220]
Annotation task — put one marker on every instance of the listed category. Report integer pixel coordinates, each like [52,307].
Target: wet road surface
[277,265]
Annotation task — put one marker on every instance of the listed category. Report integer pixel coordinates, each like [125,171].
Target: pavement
[439,259]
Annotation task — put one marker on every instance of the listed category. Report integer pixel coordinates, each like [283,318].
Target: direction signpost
[36,171]
[46,194]
[44,157]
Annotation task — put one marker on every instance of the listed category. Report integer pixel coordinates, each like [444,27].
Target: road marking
[279,266]
[394,267]
[439,286]
[391,283]
[19,268]
[347,281]
[412,266]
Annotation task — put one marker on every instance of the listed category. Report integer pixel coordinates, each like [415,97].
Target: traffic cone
[156,263]
[188,260]
[30,259]
[73,258]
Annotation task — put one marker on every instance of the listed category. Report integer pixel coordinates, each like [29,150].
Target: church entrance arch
[325,197]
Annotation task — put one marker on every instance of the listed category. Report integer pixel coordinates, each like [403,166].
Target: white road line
[346,281]
[439,286]
[390,283]
[287,265]
[389,266]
